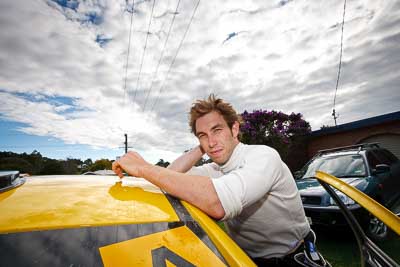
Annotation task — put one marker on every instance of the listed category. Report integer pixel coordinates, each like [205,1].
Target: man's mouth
[216,152]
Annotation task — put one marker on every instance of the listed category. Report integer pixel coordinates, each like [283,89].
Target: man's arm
[186,161]
[197,190]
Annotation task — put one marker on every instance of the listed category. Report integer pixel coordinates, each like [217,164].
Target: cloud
[100,128]
[66,78]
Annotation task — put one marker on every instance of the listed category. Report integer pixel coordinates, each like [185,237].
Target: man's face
[215,136]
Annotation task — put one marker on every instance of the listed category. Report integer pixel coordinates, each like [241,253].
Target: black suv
[368,167]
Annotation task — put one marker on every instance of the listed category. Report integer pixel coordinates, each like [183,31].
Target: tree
[71,166]
[16,164]
[86,165]
[36,159]
[101,164]
[52,167]
[35,164]
[202,161]
[88,162]
[162,163]
[286,133]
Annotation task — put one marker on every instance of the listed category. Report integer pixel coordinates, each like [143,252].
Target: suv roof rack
[359,146]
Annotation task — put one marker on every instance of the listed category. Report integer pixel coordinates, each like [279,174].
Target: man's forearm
[186,161]
[197,190]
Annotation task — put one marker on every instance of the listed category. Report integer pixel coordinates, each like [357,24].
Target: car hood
[65,201]
[312,186]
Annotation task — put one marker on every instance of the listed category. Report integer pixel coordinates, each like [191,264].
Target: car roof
[341,153]
[351,149]
[53,202]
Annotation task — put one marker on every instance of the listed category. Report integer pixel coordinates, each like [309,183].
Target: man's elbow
[217,212]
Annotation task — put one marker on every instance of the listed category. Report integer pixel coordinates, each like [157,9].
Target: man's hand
[131,162]
[197,190]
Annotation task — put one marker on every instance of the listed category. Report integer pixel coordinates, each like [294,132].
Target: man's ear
[235,129]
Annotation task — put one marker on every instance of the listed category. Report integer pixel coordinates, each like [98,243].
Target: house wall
[352,137]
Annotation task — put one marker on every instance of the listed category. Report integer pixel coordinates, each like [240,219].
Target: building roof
[394,116]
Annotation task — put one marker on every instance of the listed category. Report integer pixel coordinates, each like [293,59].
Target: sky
[72,82]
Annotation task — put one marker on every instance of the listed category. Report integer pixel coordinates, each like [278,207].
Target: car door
[386,167]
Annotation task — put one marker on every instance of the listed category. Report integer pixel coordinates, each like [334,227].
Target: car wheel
[377,230]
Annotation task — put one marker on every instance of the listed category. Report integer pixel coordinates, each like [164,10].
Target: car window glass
[339,166]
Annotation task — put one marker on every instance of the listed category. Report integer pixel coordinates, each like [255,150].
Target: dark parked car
[369,168]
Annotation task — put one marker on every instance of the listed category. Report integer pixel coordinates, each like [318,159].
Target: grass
[340,247]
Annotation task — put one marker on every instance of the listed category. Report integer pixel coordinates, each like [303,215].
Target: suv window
[339,166]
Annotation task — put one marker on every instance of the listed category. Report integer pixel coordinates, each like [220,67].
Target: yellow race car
[91,220]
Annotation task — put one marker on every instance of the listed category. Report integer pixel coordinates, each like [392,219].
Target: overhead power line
[129,46]
[144,50]
[161,56]
[335,116]
[176,54]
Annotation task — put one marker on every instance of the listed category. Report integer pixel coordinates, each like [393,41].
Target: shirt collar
[235,160]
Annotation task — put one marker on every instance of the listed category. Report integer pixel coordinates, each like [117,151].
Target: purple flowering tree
[286,133]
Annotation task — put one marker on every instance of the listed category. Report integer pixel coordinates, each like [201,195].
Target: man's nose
[212,141]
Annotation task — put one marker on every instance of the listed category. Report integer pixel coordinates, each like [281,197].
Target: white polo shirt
[263,209]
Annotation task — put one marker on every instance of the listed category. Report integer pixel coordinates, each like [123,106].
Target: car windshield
[339,166]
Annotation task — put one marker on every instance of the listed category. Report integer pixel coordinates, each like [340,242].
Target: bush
[286,133]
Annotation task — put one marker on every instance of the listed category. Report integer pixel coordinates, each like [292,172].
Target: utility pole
[126,143]
[335,116]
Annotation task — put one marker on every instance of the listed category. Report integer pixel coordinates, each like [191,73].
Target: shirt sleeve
[249,183]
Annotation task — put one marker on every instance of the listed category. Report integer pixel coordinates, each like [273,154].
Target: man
[247,186]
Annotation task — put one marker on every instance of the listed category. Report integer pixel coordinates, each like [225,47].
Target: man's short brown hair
[203,107]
